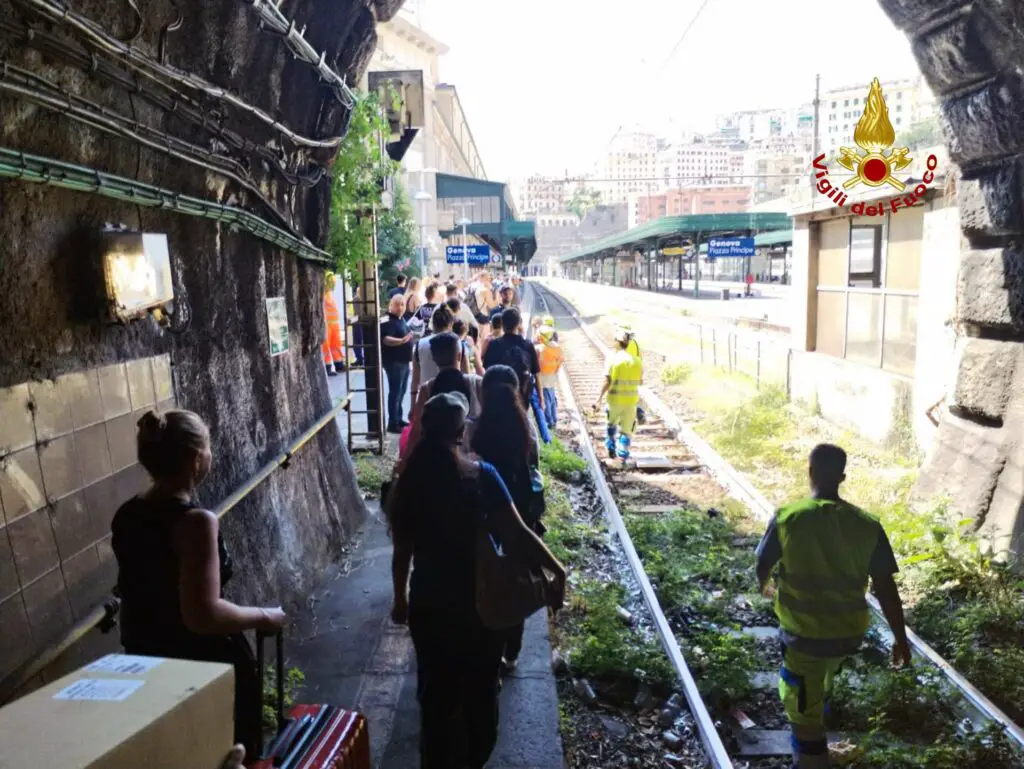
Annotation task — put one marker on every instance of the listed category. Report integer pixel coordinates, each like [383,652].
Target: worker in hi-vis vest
[825,550]
[333,346]
[622,385]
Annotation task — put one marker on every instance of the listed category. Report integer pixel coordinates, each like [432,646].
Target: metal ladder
[366,309]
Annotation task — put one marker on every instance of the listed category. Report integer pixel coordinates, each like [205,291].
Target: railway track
[669,461]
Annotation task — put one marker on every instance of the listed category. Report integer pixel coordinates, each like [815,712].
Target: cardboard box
[124,712]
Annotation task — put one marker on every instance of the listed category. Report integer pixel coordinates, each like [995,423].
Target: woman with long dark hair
[458,659]
[504,437]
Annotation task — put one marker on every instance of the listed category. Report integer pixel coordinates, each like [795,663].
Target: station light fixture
[137,274]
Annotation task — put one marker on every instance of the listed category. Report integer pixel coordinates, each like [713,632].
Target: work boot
[331,371]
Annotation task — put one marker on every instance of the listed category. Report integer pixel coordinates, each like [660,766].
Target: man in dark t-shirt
[512,338]
[399,287]
[396,357]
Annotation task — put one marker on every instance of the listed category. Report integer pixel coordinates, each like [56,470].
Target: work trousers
[357,344]
[551,406]
[457,684]
[621,424]
[333,347]
[805,685]
[538,413]
[398,386]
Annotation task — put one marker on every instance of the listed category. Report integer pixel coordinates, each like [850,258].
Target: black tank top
[147,581]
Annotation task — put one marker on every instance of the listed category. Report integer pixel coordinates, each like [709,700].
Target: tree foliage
[357,175]
[396,240]
[924,134]
[583,200]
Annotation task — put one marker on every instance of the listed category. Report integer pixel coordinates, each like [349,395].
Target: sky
[546,83]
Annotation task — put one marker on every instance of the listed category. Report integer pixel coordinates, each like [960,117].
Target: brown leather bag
[507,590]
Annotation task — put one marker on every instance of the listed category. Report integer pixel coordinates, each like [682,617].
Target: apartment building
[910,101]
[718,199]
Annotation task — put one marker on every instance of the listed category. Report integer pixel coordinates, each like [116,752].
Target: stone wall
[972,56]
[293,525]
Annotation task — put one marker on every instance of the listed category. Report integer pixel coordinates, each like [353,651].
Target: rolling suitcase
[312,736]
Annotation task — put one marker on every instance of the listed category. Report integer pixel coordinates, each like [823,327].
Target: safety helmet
[330,280]
[547,320]
[623,334]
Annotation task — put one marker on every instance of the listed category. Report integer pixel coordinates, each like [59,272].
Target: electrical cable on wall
[173,101]
[106,120]
[276,22]
[152,70]
[15,164]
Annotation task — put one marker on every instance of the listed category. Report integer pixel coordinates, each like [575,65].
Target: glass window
[899,345]
[864,328]
[903,257]
[831,327]
[832,252]
[865,256]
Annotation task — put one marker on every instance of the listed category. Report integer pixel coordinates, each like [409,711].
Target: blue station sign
[478,254]
[723,248]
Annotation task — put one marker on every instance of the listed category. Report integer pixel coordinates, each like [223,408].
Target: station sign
[477,254]
[723,248]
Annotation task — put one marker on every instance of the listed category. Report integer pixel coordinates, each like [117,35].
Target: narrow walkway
[353,656]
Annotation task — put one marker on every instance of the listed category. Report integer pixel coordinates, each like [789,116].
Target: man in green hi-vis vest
[826,550]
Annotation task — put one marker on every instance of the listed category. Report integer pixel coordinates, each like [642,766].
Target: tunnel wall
[293,526]
[972,55]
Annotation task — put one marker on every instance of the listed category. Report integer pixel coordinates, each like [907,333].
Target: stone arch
[972,55]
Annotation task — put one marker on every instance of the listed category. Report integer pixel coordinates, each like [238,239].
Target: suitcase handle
[261,638]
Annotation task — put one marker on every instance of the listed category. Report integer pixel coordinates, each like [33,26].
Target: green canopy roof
[703,225]
[776,238]
[508,234]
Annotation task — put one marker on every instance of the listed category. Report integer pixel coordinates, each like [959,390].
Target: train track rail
[666,449]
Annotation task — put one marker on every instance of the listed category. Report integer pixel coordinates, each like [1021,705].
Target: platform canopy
[490,208]
[674,230]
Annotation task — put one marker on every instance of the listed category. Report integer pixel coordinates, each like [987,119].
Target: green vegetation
[559,462]
[371,472]
[968,607]
[676,373]
[971,610]
[600,645]
[358,173]
[723,665]
[396,241]
[583,200]
[293,680]
[922,135]
[911,718]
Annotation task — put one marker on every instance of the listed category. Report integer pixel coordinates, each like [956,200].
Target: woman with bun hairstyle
[172,568]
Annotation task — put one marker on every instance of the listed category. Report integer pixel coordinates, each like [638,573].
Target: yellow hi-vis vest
[823,575]
[625,372]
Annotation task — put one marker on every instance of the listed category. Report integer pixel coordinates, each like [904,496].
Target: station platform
[771,306]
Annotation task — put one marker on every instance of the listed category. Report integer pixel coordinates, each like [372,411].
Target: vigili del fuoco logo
[874,163]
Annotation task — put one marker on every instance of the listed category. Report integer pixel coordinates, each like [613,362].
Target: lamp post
[463,223]
[422,196]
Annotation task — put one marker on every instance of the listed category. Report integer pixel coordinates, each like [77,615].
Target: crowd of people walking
[465,511]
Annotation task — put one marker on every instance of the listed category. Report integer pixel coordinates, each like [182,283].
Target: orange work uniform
[333,347]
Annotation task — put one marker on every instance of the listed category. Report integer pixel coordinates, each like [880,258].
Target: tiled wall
[67,461]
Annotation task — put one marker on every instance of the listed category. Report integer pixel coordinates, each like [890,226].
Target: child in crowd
[496,332]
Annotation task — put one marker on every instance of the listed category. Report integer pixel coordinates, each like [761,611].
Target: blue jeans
[398,385]
[550,406]
[542,423]
[357,344]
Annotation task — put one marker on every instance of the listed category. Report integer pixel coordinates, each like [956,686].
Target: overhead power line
[682,38]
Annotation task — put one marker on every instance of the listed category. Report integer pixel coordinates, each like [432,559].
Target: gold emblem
[874,134]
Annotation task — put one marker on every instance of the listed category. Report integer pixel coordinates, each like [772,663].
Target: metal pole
[696,265]
[465,255]
[817,105]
